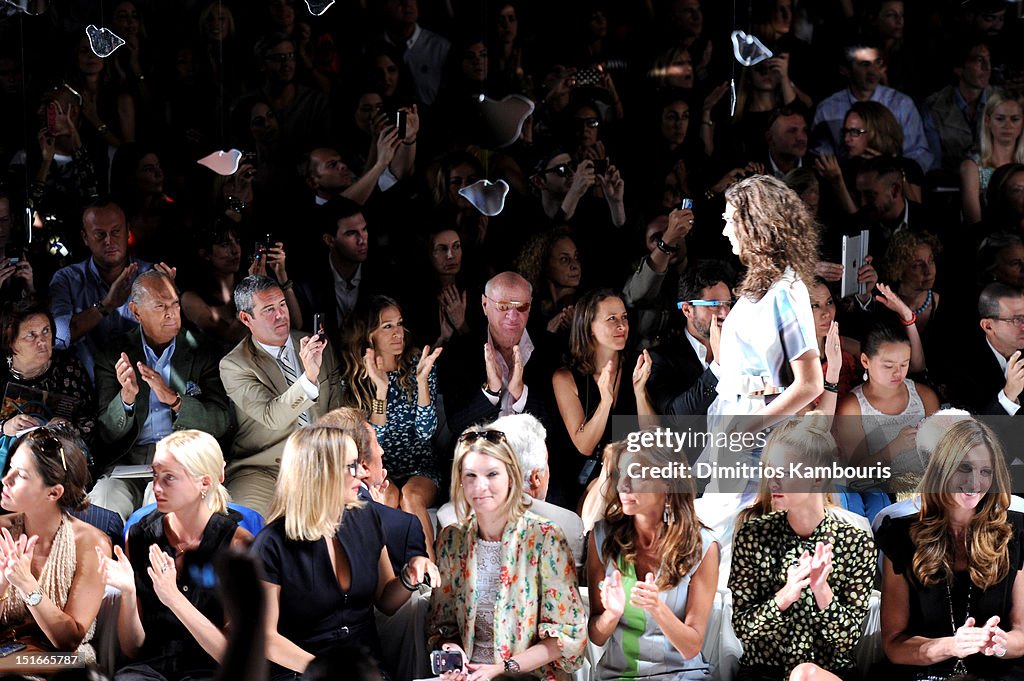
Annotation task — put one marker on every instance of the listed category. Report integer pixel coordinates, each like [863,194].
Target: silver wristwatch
[33,598]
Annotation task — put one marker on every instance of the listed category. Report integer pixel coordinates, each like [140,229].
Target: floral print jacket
[538,598]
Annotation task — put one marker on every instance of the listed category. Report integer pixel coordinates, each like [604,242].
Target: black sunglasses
[495,437]
[49,444]
[562,170]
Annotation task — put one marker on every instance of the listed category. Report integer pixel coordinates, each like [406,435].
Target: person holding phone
[508,599]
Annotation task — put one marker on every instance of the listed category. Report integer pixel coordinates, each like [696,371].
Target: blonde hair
[517,502]
[199,454]
[775,231]
[988,533]
[310,490]
[986,145]
[680,545]
[812,438]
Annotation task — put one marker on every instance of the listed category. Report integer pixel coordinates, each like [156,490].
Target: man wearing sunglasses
[510,379]
[683,372]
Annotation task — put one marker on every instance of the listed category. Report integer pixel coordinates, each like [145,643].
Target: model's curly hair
[532,261]
[900,254]
[354,342]
[775,231]
[680,544]
[988,534]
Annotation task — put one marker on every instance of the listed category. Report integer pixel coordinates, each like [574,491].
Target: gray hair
[525,435]
[248,288]
[140,287]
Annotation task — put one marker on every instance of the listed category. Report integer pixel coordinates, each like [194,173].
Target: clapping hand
[613,597]
[18,554]
[117,571]
[426,363]
[798,577]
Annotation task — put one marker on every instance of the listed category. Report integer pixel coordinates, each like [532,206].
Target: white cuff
[1006,403]
[312,390]
[387,180]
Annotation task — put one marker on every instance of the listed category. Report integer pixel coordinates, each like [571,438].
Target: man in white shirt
[277,381]
[423,51]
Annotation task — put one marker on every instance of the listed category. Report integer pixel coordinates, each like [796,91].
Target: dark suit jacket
[315,292]
[462,372]
[403,532]
[973,378]
[679,384]
[194,375]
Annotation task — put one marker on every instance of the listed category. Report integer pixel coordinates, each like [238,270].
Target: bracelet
[911,321]
[409,143]
[405,582]
[378,406]
[666,248]
[287,285]
[832,387]
[176,403]
[492,393]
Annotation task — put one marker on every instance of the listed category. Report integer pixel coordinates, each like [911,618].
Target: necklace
[960,668]
[27,377]
[925,305]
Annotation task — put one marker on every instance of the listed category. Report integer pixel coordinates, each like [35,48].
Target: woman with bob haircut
[508,599]
[801,578]
[952,591]
[769,340]
[656,567]
[324,574]
[50,587]
[170,622]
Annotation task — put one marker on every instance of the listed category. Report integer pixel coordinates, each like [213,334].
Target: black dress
[169,648]
[66,376]
[314,613]
[929,607]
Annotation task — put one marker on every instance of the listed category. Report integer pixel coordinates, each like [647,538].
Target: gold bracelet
[378,406]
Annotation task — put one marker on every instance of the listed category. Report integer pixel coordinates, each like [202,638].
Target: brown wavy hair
[532,262]
[900,253]
[354,343]
[988,534]
[775,231]
[680,545]
[581,336]
[885,134]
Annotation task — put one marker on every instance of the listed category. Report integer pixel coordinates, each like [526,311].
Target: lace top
[488,570]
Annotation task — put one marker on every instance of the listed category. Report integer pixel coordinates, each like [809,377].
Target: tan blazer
[266,407]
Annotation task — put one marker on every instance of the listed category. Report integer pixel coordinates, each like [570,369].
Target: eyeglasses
[1017,320]
[352,468]
[562,170]
[281,58]
[49,443]
[588,122]
[705,303]
[495,437]
[506,305]
[852,132]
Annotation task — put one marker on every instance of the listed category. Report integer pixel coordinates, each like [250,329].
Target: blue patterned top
[405,437]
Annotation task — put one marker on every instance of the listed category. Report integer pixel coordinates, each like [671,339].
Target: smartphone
[686,204]
[13,261]
[600,166]
[51,119]
[400,124]
[442,661]
[11,648]
[261,250]
[591,77]
[318,324]
[270,241]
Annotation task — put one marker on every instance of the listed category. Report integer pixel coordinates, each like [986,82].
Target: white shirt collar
[274,350]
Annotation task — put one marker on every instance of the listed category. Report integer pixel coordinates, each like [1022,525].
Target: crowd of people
[406,398]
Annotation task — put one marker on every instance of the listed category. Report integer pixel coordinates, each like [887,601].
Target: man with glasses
[986,374]
[511,379]
[683,367]
[864,67]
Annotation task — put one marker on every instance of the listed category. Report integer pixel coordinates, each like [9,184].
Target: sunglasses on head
[49,444]
[506,305]
[562,170]
[493,436]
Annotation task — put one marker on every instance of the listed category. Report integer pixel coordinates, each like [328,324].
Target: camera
[589,77]
[442,661]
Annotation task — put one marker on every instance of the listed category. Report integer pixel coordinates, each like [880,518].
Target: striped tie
[291,377]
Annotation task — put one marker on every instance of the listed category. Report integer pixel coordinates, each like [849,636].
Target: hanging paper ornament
[505,118]
[222,162]
[32,7]
[103,41]
[748,49]
[318,7]
[732,97]
[486,196]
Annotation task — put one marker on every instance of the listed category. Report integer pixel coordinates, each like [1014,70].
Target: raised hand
[311,354]
[829,271]
[18,568]
[126,377]
[798,577]
[642,371]
[117,571]
[493,370]
[426,363]
[121,288]
[613,596]
[605,382]
[645,594]
[515,381]
[453,305]
[833,347]
[969,639]
[821,566]
[164,574]
[274,261]
[156,383]
[894,302]
[374,366]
